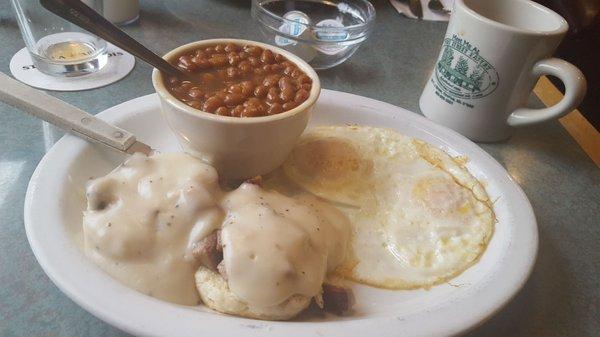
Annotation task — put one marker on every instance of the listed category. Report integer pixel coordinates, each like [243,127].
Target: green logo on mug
[462,73]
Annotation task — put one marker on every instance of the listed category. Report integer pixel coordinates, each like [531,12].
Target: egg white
[418,216]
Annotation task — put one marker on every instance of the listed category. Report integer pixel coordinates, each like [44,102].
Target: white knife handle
[62,114]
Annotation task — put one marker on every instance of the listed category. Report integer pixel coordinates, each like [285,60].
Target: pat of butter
[328,32]
[296,27]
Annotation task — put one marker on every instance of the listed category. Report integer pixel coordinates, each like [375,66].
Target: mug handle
[575,88]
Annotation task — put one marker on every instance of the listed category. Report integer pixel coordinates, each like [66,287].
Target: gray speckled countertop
[562,297]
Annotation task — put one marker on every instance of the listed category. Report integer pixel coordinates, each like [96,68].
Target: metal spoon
[68,117]
[438,6]
[83,16]
[416,8]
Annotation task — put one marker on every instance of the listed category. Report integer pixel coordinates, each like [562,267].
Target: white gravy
[275,246]
[142,218]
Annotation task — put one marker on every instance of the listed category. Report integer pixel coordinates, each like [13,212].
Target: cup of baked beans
[242,106]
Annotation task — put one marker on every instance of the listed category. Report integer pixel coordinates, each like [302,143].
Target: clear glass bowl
[323,33]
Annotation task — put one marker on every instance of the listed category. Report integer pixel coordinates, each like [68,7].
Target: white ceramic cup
[492,56]
[236,147]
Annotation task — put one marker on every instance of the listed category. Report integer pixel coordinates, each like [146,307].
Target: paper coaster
[120,63]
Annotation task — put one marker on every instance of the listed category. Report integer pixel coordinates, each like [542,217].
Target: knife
[416,8]
[68,117]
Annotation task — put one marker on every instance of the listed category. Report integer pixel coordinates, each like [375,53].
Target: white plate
[55,199]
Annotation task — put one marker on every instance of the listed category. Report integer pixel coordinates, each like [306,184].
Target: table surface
[562,297]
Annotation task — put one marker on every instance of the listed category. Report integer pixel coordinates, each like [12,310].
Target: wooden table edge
[574,122]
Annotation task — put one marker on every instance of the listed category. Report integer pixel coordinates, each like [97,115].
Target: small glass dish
[323,33]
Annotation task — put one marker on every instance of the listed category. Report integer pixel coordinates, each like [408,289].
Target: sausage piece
[209,251]
[337,299]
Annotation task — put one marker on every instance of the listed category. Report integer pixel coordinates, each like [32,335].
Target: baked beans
[239,81]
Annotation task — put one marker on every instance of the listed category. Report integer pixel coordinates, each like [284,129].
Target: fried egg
[418,216]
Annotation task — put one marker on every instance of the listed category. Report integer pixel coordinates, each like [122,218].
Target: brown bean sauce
[239,81]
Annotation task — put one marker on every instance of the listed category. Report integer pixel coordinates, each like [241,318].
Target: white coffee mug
[492,56]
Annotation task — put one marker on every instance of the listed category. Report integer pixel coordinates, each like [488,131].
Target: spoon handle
[83,16]
[62,114]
